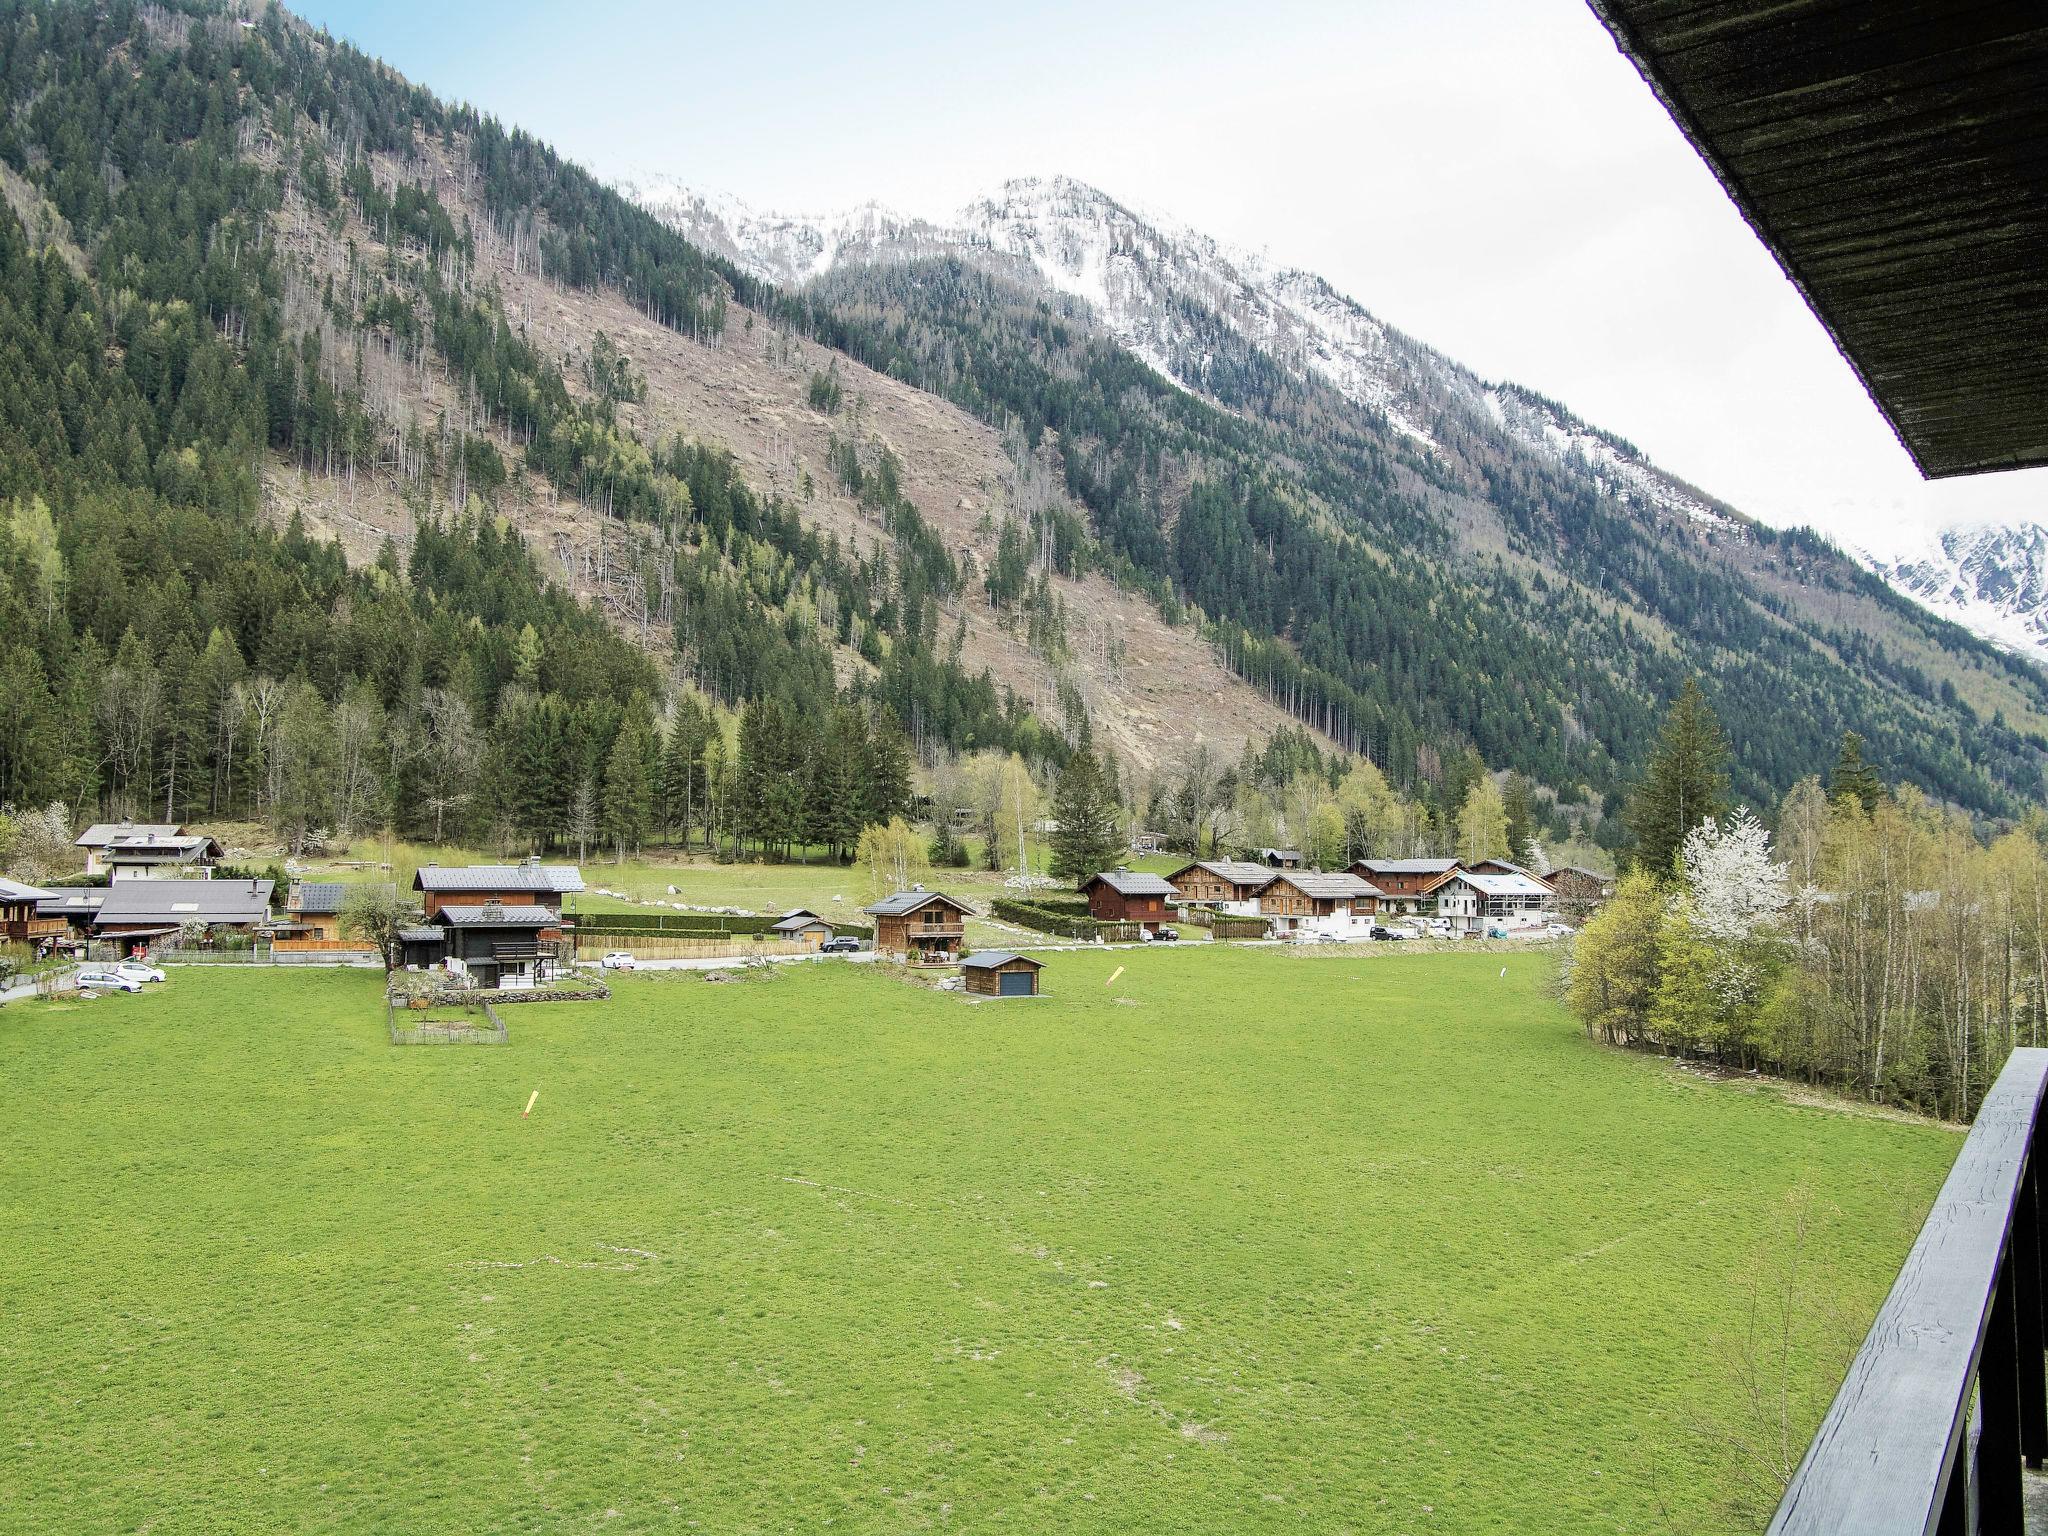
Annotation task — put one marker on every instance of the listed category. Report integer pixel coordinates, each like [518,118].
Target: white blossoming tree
[1738,891]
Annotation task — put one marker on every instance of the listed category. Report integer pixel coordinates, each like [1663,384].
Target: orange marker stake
[529,1104]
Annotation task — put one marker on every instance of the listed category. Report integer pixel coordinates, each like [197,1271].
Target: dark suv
[845,944]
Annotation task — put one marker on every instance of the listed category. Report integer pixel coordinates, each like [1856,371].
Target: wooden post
[2025,1263]
[2000,1497]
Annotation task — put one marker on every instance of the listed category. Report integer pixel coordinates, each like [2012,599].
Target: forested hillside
[169,333]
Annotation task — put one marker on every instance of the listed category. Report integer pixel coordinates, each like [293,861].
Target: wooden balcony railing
[1948,1397]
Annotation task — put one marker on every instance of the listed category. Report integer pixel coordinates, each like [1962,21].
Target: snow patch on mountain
[1990,578]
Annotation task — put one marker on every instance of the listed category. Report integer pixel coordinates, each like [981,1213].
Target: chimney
[533,861]
[919,888]
[296,900]
[493,908]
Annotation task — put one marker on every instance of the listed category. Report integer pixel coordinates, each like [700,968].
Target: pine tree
[1521,812]
[1086,842]
[624,805]
[1853,778]
[1685,783]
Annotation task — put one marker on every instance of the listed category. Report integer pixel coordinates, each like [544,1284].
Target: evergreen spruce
[1084,806]
[1685,783]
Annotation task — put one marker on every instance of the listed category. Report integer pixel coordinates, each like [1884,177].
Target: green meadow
[1243,1240]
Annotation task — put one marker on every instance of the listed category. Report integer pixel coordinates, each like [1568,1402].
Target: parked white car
[106,981]
[619,960]
[135,970]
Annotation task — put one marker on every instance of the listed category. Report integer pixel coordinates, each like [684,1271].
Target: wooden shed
[1001,973]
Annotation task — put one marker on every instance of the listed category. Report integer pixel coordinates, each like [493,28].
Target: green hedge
[690,925]
[1065,920]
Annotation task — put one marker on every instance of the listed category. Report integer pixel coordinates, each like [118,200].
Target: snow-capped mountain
[1177,298]
[1190,306]
[1991,579]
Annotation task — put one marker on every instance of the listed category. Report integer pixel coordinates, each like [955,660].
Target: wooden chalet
[1001,973]
[1502,867]
[1405,885]
[1580,891]
[1118,896]
[147,850]
[802,927]
[494,944]
[921,925]
[1340,905]
[528,883]
[22,920]
[1280,858]
[1223,885]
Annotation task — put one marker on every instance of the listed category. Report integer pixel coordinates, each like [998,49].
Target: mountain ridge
[1303,320]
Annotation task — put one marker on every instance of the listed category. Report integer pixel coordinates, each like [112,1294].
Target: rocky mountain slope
[1548,527]
[1991,579]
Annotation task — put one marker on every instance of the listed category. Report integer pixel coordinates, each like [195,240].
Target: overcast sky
[1489,175]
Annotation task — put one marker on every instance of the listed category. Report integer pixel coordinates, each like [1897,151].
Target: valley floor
[1241,1239]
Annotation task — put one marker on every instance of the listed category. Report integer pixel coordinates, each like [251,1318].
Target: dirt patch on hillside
[1152,691]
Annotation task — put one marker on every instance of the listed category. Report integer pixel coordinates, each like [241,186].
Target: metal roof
[802,917]
[989,959]
[14,890]
[185,901]
[319,896]
[421,935]
[494,915]
[1891,156]
[1124,883]
[557,878]
[1504,885]
[100,833]
[909,901]
[1236,871]
[1408,866]
[1326,886]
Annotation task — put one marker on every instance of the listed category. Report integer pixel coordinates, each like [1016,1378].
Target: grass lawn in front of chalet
[1246,1240]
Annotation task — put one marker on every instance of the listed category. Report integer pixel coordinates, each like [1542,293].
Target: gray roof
[100,833]
[1236,871]
[989,959]
[1125,883]
[1409,866]
[185,901]
[1281,853]
[801,918]
[1505,885]
[319,896]
[557,878]
[80,900]
[14,890]
[1326,887]
[422,935]
[909,901]
[495,916]
[1576,869]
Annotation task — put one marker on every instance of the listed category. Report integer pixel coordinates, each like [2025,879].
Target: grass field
[1245,1241]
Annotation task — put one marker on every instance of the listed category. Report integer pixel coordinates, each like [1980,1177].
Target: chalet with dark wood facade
[925,926]
[1579,891]
[495,944]
[1405,885]
[1117,896]
[529,883]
